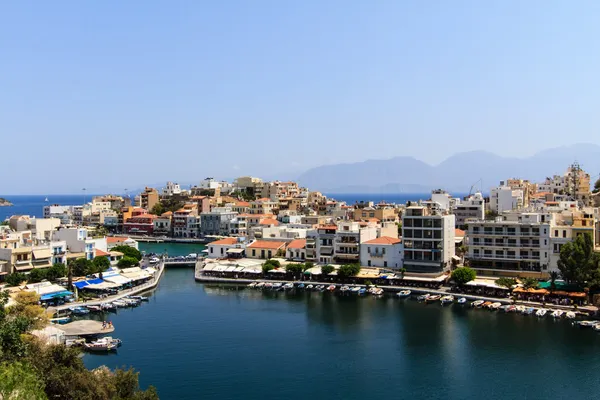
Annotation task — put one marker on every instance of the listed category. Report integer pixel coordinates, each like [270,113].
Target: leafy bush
[462,275]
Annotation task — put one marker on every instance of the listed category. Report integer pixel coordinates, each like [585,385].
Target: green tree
[327,269]
[20,381]
[36,275]
[129,251]
[530,283]
[490,215]
[127,262]
[57,271]
[81,267]
[554,275]
[101,264]
[596,186]
[267,266]
[402,272]
[308,265]
[578,262]
[294,269]
[506,282]
[16,278]
[348,270]
[462,275]
[158,209]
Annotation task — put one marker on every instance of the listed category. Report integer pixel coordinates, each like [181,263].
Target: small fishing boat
[529,311]
[268,285]
[486,304]
[355,289]
[140,298]
[301,286]
[586,324]
[260,285]
[597,327]
[277,286]
[462,300]
[377,292]
[433,298]
[403,293]
[131,302]
[510,308]
[331,288]
[320,288]
[99,347]
[252,284]
[423,297]
[108,340]
[520,309]
[557,313]
[94,308]
[310,287]
[288,286]
[344,289]
[447,300]
[570,315]
[79,310]
[74,342]
[60,320]
[120,304]
[362,291]
[495,306]
[108,306]
[541,312]
[477,303]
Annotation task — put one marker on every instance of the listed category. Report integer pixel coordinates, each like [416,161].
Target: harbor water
[194,341]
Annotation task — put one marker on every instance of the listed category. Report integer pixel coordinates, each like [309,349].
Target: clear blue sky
[127,93]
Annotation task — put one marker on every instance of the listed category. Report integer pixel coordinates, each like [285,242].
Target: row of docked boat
[525,310]
[595,325]
[432,298]
[280,286]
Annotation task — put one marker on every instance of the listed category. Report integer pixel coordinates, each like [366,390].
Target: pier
[86,327]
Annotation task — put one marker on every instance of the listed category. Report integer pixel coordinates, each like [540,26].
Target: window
[369,263]
[383,251]
[385,264]
[211,250]
[253,252]
[556,233]
[564,232]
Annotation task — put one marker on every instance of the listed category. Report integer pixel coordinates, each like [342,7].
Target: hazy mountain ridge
[457,173]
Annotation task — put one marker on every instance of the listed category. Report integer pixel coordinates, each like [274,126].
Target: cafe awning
[42,253]
[235,251]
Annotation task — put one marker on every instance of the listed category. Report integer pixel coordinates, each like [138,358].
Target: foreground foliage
[463,275]
[30,369]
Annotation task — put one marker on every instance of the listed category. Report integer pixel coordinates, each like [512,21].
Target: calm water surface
[196,341]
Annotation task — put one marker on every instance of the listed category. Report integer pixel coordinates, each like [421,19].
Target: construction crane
[480,181]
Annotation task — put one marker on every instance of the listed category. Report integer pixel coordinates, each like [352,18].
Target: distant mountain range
[455,174]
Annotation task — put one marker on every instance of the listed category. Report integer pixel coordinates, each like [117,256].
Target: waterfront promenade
[122,293]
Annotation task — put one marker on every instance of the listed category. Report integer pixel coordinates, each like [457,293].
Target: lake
[193,341]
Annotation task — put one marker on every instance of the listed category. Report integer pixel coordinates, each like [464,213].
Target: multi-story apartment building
[527,188]
[566,226]
[339,244]
[142,224]
[78,242]
[575,183]
[504,198]
[162,224]
[512,244]
[262,206]
[41,228]
[473,207]
[171,189]
[148,198]
[217,221]
[428,236]
[186,223]
[383,214]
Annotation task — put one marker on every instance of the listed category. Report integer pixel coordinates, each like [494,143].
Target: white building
[226,247]
[472,207]
[296,250]
[209,184]
[512,244]
[504,198]
[444,200]
[428,238]
[171,189]
[64,213]
[77,241]
[337,244]
[383,252]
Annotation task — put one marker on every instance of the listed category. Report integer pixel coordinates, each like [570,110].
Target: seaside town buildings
[517,231]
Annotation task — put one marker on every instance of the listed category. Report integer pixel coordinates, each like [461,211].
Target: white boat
[252,284]
[570,315]
[586,324]
[288,286]
[276,285]
[344,288]
[108,340]
[46,199]
[495,306]
[557,313]
[355,289]
[309,287]
[331,288]
[597,327]
[477,303]
[447,299]
[423,297]
[403,293]
[94,308]
[99,347]
[120,303]
[320,288]
[541,312]
[140,298]
[260,285]
[520,309]
[462,300]
[377,292]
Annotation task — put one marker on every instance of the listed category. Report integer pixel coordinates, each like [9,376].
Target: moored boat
[140,298]
[252,284]
[108,340]
[301,285]
[79,310]
[403,293]
[477,303]
[99,347]
[320,288]
[447,299]
[362,291]
[557,313]
[433,298]
[331,288]
[94,308]
[541,312]
[462,300]
[355,289]
[310,287]
[288,286]
[377,291]
[60,320]
[570,315]
[423,297]
[344,289]
[586,324]
[597,327]
[486,304]
[529,310]
[495,306]
[120,303]
[260,285]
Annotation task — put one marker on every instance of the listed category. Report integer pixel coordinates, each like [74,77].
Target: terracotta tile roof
[269,221]
[384,240]
[142,216]
[100,253]
[459,233]
[297,244]
[243,204]
[167,214]
[334,227]
[116,239]
[540,194]
[264,244]
[225,241]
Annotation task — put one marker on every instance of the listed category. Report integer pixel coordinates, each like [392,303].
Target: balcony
[377,255]
[343,256]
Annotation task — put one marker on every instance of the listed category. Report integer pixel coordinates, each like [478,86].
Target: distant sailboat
[46,199]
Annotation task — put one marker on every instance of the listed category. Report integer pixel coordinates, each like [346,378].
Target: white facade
[171,189]
[225,247]
[383,252]
[514,242]
[428,238]
[472,207]
[77,241]
[443,199]
[209,183]
[504,198]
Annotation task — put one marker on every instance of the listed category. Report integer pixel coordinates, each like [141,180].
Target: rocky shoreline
[5,203]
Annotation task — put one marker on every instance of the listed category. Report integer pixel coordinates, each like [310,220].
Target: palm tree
[402,272]
[553,278]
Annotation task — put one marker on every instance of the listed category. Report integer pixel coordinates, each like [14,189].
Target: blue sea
[34,205]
